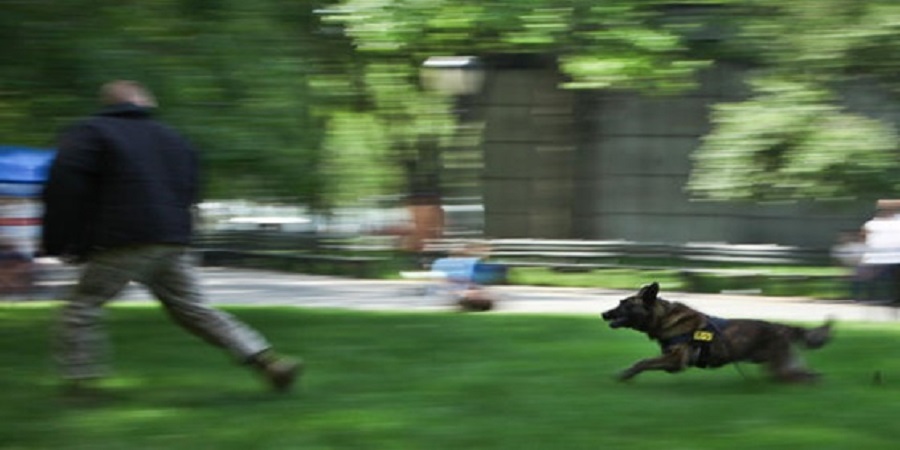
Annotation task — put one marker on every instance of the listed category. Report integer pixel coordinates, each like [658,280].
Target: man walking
[120,198]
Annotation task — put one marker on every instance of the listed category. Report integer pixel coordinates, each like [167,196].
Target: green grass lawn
[825,283]
[437,381]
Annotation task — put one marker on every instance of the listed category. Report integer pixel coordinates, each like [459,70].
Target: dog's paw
[625,375]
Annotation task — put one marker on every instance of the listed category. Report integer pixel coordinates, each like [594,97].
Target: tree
[611,43]
[792,138]
[795,137]
[322,104]
[242,79]
[614,43]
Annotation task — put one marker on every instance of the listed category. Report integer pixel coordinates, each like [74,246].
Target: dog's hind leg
[811,338]
[786,366]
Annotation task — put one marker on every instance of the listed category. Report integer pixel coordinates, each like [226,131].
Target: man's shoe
[282,373]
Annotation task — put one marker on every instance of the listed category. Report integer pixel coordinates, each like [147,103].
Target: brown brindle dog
[690,338]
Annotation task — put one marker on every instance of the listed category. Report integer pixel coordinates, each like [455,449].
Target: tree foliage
[609,43]
[240,78]
[320,101]
[793,137]
[790,141]
[798,135]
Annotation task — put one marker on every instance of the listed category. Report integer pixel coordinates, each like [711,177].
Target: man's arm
[69,192]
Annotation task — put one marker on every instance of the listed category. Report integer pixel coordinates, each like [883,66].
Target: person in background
[15,270]
[120,198]
[882,239]
[424,203]
[849,252]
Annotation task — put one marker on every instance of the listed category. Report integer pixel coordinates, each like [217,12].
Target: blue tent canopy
[23,170]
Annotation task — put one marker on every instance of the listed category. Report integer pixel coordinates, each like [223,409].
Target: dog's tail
[816,337]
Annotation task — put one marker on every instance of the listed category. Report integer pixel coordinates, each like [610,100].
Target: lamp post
[458,172]
[453,75]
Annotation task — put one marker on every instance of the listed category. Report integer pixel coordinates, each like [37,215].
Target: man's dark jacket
[119,178]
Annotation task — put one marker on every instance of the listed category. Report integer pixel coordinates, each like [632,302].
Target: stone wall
[604,165]
[529,141]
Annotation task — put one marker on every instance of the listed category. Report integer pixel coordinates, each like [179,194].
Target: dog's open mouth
[614,322]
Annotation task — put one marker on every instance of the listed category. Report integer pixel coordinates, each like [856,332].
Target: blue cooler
[470,270]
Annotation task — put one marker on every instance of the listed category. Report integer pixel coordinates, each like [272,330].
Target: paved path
[253,287]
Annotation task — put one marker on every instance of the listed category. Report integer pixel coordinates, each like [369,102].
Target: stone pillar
[529,143]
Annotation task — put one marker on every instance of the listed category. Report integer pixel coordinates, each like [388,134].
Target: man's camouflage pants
[168,273]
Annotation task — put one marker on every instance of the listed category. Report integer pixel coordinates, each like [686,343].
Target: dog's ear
[649,292]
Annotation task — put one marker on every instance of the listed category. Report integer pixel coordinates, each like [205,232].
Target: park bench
[280,250]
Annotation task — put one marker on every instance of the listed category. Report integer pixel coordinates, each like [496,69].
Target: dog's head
[636,311]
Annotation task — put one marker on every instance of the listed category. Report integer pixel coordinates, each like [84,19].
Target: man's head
[124,91]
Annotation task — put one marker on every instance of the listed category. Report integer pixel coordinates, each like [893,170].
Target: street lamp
[461,79]
[453,75]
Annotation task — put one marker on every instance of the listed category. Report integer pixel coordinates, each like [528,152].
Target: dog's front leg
[672,361]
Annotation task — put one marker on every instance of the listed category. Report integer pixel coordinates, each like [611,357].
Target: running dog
[688,338]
